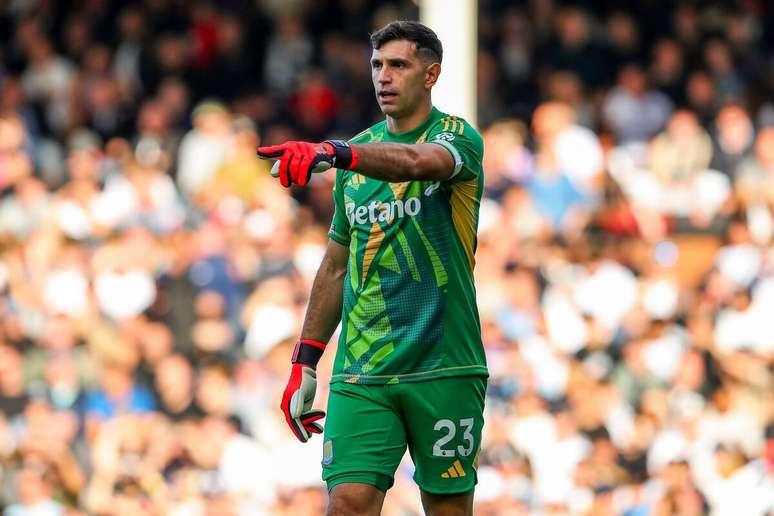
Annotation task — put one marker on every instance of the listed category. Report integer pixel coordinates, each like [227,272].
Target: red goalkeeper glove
[300,390]
[297,161]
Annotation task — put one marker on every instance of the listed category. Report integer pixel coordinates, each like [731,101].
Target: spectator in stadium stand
[62,386]
[15,164]
[720,64]
[559,187]
[679,158]
[755,187]
[508,161]
[733,138]
[624,42]
[241,175]
[701,96]
[667,69]
[574,49]
[13,395]
[25,208]
[174,388]
[490,103]
[288,54]
[118,394]
[633,111]
[576,148]
[13,103]
[74,203]
[35,495]
[565,86]
[203,148]
[48,80]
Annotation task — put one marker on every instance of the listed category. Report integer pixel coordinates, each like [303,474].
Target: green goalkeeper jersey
[409,305]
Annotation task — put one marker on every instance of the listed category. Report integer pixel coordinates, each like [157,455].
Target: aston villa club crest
[327,452]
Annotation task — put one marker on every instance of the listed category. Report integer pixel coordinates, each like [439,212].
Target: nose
[383,76]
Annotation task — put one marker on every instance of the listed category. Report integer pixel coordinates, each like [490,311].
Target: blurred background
[153,277]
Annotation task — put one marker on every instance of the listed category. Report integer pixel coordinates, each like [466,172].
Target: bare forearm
[324,310]
[396,162]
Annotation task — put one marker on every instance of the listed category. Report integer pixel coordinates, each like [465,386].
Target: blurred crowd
[153,277]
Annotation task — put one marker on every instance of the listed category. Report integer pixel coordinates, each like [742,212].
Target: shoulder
[372,134]
[451,127]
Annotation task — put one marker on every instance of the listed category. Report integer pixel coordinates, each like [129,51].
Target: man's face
[401,78]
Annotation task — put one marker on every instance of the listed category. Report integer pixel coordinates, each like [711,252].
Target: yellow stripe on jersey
[463,205]
[375,239]
[453,124]
[353,272]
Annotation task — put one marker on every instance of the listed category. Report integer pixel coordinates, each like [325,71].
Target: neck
[412,121]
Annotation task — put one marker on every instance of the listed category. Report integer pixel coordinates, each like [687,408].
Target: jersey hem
[385,379]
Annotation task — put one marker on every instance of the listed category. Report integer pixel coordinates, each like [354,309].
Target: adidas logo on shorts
[454,471]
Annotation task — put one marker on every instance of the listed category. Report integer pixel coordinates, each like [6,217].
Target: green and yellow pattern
[409,311]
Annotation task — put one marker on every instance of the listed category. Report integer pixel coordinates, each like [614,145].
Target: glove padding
[297,402]
[297,161]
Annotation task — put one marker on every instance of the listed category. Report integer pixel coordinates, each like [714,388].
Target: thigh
[444,419]
[364,439]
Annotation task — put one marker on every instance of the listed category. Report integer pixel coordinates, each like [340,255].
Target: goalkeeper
[410,369]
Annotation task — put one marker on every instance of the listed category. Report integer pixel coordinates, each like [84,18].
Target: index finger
[270,151]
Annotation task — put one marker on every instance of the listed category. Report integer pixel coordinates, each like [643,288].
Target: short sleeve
[339,230]
[463,142]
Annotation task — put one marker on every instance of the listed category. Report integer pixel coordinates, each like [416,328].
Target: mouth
[387,96]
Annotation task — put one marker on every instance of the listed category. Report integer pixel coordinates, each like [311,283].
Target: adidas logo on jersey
[435,185]
[454,471]
[381,211]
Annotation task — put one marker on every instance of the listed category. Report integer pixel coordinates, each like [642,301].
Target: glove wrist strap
[346,156]
[308,352]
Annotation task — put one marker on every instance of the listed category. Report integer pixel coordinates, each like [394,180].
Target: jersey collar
[417,131]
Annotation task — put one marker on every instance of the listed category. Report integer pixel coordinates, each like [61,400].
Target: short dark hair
[428,45]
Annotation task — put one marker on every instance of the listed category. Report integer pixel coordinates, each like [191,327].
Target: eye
[376,65]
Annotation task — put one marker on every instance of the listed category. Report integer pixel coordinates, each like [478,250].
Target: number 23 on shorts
[449,430]
[451,455]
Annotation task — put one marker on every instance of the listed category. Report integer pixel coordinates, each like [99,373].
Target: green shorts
[368,427]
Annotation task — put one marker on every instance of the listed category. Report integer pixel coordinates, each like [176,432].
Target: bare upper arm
[434,162]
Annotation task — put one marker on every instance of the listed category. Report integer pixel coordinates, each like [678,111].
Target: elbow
[338,273]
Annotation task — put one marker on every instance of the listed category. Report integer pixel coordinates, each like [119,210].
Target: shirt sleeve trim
[455,155]
[338,238]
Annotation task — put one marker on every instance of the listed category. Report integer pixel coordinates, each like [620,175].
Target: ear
[431,75]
